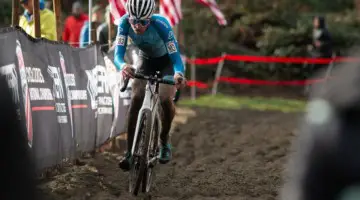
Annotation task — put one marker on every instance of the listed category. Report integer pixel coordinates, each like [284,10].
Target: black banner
[68,97]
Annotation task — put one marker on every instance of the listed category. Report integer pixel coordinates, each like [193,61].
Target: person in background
[73,25]
[49,5]
[322,42]
[321,47]
[47,20]
[103,32]
[97,19]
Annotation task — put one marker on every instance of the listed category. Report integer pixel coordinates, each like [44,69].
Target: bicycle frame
[151,102]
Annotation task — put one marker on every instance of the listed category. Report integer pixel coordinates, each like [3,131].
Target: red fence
[262,59]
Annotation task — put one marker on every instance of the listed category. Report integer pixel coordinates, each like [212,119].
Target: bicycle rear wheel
[152,141]
[140,154]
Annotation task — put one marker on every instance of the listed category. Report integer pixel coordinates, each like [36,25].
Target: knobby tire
[152,141]
[145,128]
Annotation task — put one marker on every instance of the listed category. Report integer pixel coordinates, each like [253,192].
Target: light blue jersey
[158,40]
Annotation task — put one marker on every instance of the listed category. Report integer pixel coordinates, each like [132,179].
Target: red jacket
[72,29]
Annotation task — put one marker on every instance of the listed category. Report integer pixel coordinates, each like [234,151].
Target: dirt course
[218,154]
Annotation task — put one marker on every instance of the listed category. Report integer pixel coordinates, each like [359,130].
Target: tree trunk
[357,7]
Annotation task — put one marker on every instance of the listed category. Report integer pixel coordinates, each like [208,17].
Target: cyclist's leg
[166,93]
[166,100]
[137,96]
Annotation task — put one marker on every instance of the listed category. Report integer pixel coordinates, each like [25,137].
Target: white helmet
[140,9]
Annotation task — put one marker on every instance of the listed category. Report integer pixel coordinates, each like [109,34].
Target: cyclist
[157,51]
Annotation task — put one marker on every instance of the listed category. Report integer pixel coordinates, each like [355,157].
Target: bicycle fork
[145,106]
[156,118]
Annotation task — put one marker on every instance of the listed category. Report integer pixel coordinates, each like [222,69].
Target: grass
[255,103]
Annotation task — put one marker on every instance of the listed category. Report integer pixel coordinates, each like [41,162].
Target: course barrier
[220,60]
[68,98]
[269,59]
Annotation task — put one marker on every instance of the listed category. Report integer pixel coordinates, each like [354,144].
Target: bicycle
[145,150]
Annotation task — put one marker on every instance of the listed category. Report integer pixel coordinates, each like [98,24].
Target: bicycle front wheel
[140,154]
[152,141]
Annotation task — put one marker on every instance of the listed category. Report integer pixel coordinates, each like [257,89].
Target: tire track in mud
[218,154]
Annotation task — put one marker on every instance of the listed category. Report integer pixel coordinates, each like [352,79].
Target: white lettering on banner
[70,79]
[92,88]
[97,83]
[34,75]
[25,92]
[11,76]
[62,119]
[78,95]
[37,94]
[104,110]
[60,107]
[102,82]
[105,101]
[58,89]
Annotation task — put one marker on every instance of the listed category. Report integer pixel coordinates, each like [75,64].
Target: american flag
[215,9]
[171,9]
[117,9]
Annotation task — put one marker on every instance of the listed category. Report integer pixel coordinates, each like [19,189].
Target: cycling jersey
[158,40]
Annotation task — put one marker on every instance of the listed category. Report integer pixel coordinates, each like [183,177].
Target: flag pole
[90,21]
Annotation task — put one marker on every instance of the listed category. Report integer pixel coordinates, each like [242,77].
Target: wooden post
[218,73]
[57,11]
[15,12]
[36,13]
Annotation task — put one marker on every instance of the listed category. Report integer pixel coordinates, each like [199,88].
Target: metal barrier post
[90,21]
[193,78]
[218,74]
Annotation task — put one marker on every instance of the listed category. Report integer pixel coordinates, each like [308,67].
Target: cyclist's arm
[166,33]
[121,42]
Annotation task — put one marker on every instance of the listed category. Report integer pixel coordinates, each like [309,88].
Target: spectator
[48,5]
[103,32]
[47,20]
[96,18]
[73,25]
[322,44]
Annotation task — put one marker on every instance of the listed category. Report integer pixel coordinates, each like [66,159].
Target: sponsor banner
[68,98]
[83,98]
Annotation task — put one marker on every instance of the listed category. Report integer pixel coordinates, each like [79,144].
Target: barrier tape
[269,59]
[263,59]
[234,80]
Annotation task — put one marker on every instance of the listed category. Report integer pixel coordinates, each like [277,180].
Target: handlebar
[150,78]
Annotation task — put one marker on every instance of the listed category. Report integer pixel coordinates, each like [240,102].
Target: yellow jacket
[47,25]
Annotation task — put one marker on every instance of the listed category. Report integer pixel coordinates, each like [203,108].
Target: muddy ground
[218,154]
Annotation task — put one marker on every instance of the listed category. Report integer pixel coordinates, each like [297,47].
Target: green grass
[255,103]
